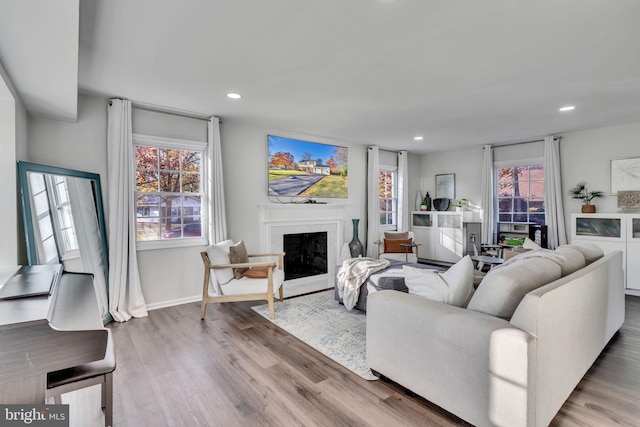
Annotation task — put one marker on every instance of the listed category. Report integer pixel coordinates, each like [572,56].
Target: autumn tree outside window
[170,193]
[521,193]
[388,196]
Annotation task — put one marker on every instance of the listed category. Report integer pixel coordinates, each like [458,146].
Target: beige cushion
[573,260]
[238,255]
[453,286]
[219,255]
[503,287]
[590,251]
[396,235]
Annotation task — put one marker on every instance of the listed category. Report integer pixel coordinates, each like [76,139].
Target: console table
[48,333]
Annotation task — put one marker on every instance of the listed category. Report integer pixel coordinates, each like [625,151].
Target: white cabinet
[633,252]
[445,236]
[612,232]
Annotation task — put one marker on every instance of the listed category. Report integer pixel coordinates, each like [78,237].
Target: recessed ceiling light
[418,138]
[568,108]
[233,95]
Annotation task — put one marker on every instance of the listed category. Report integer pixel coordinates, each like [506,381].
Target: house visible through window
[388,196]
[521,193]
[169,192]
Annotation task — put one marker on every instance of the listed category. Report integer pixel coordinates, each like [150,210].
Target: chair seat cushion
[247,285]
[87,370]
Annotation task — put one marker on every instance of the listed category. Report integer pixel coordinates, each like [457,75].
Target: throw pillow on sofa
[504,286]
[573,259]
[590,251]
[454,286]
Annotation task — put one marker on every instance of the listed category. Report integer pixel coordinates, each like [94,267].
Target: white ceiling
[460,73]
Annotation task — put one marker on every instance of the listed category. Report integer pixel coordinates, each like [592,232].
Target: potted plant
[579,191]
[461,205]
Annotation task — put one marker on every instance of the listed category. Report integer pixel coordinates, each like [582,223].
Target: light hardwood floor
[237,369]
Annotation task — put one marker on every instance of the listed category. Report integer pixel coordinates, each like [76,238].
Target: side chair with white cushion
[230,277]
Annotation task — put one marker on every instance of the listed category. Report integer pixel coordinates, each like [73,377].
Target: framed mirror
[64,223]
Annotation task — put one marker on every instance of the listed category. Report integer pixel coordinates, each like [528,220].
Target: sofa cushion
[590,251]
[573,260]
[393,246]
[504,286]
[219,255]
[453,286]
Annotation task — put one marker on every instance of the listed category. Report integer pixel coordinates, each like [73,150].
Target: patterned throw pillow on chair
[238,255]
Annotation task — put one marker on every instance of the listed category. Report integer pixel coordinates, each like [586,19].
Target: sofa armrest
[474,365]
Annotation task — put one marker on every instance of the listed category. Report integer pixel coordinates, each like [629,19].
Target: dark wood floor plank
[236,368]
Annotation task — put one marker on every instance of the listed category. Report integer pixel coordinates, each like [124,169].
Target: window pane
[170,182]
[148,228]
[504,218]
[191,161]
[191,182]
[520,205]
[146,181]
[521,188]
[537,188]
[169,159]
[146,157]
[505,205]
[537,219]
[536,205]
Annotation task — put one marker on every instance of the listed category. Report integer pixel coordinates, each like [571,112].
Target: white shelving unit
[445,236]
[619,231]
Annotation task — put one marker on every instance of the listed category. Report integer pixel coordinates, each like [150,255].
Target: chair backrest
[381,237]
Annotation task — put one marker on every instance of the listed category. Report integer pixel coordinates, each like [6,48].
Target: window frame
[394,199]
[177,144]
[496,197]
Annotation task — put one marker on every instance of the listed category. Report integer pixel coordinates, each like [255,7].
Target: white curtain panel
[403,191]
[218,219]
[125,291]
[85,221]
[373,205]
[486,196]
[554,212]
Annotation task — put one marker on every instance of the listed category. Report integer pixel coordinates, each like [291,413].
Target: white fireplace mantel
[278,219]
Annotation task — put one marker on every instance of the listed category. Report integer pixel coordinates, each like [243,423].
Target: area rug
[324,324]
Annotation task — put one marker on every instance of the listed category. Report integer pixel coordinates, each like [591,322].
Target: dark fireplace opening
[305,255]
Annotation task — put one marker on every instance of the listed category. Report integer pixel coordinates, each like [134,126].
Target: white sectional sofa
[513,370]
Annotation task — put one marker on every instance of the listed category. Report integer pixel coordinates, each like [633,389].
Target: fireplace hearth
[305,254]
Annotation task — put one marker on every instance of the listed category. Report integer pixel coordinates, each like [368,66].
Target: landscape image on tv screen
[306,169]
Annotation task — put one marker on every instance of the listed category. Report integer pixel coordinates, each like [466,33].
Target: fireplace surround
[278,219]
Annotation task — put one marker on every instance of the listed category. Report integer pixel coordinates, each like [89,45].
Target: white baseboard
[171,303]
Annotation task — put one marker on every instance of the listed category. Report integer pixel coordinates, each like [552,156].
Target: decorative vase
[427,201]
[418,200]
[355,246]
[588,208]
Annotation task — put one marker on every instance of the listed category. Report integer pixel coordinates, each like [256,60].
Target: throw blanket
[353,273]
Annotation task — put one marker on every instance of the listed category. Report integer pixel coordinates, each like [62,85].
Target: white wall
[175,275]
[13,136]
[245,150]
[584,156]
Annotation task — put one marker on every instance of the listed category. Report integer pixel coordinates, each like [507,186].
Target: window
[388,195]
[63,217]
[170,194]
[521,193]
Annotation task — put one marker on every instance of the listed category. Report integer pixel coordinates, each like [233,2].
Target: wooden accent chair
[227,285]
[395,251]
[87,375]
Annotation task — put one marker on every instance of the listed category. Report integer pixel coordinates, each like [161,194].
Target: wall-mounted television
[306,169]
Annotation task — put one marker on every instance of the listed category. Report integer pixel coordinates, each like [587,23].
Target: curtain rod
[169,110]
[388,151]
[522,142]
